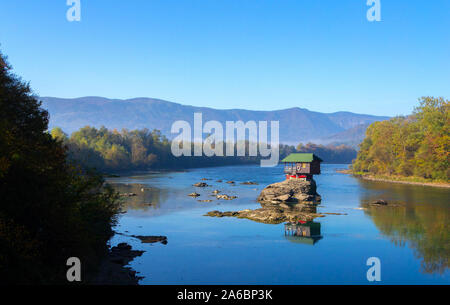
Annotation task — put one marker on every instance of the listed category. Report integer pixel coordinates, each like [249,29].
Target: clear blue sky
[254,54]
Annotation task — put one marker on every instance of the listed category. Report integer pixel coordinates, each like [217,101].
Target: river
[411,241]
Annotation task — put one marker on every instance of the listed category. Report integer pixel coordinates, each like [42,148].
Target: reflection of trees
[150,198]
[422,220]
[424,227]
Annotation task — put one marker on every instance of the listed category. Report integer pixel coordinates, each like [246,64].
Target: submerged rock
[292,190]
[151,239]
[269,215]
[216,192]
[379,202]
[221,214]
[384,203]
[226,197]
[201,184]
[206,200]
[249,183]
[194,195]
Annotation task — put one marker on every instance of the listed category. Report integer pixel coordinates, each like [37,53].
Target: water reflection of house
[304,233]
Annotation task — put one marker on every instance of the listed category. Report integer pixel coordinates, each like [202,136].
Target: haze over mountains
[296,124]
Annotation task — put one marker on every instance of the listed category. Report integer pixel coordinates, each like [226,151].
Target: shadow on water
[420,220]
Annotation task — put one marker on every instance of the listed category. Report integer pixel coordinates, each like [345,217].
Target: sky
[323,55]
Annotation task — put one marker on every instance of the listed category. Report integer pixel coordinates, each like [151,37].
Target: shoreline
[114,268]
[126,173]
[392,180]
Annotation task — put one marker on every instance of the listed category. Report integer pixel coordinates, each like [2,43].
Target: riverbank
[394,179]
[113,268]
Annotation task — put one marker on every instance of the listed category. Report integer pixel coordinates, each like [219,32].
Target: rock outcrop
[384,203]
[151,239]
[290,191]
[290,200]
[271,215]
[379,202]
[226,197]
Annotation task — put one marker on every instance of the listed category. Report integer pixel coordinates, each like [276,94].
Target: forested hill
[414,146]
[296,124]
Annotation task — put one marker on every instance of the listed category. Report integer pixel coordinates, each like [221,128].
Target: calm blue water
[411,241]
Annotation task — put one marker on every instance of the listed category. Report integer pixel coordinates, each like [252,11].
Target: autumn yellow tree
[417,145]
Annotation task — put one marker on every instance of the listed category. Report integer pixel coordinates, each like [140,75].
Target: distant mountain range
[351,137]
[296,124]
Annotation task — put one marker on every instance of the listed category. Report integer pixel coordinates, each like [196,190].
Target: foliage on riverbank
[414,147]
[50,209]
[113,151]
[399,179]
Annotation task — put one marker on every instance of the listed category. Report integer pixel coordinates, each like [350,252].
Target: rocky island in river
[290,191]
[292,200]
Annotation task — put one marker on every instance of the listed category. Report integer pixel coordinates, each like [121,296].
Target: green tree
[50,209]
[58,134]
[417,145]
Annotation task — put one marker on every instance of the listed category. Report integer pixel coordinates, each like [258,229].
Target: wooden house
[301,166]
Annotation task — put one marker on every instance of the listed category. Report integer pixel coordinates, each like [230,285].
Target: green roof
[301,157]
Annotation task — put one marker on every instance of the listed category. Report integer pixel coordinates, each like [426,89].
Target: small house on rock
[301,166]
